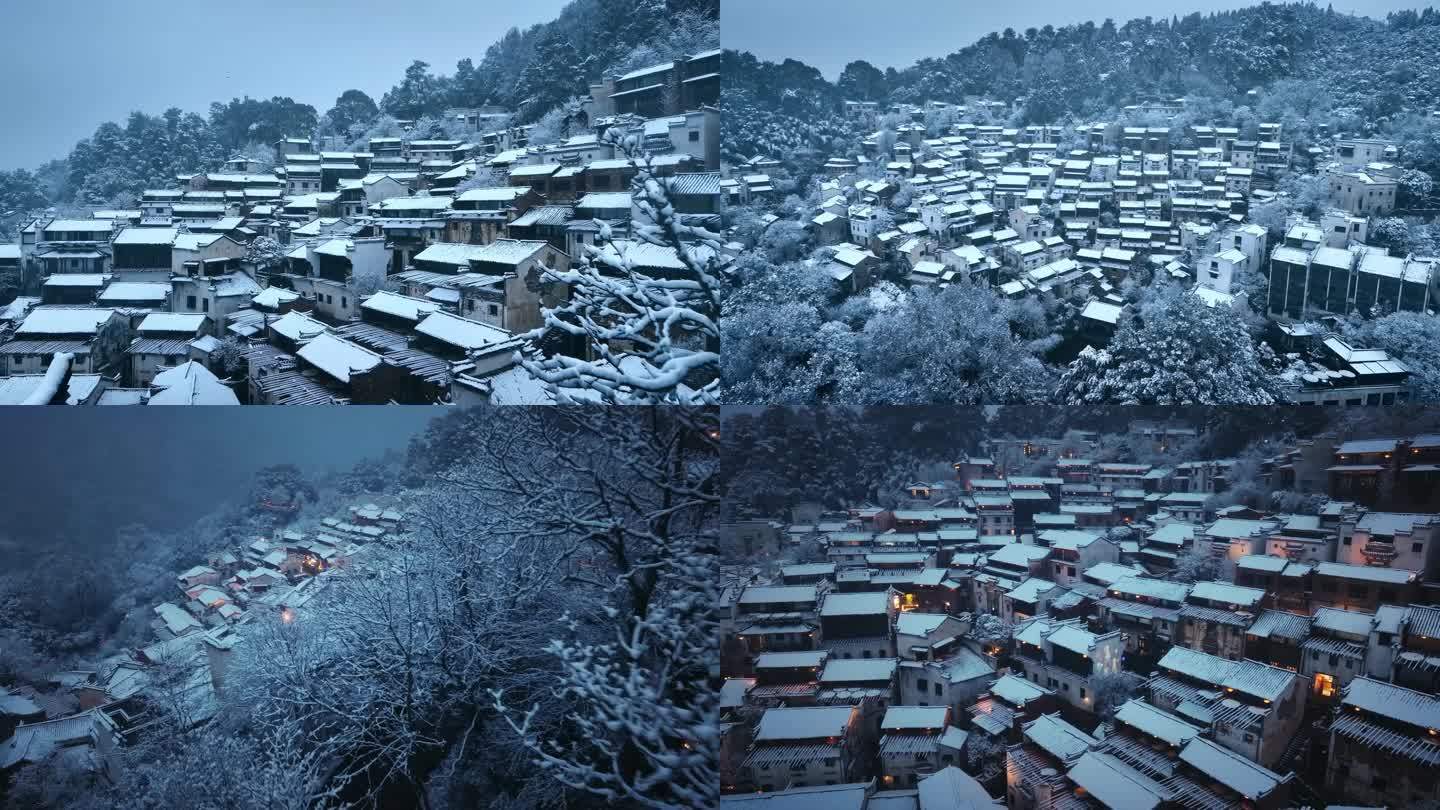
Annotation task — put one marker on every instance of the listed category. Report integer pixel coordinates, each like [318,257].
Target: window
[1324,685]
[939,690]
[205,305]
[494,310]
[344,302]
[923,684]
[694,136]
[1082,693]
[1415,546]
[189,302]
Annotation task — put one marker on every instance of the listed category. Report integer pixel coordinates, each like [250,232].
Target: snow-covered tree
[1391,233]
[265,253]
[1196,565]
[652,336]
[987,628]
[642,722]
[1414,337]
[1111,691]
[1182,353]
[1415,188]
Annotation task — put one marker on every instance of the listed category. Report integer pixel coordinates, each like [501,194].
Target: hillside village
[1083,222]
[87,717]
[412,272]
[1042,630]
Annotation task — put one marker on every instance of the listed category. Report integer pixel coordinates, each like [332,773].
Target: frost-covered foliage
[554,577]
[534,70]
[265,253]
[642,725]
[1112,690]
[989,629]
[839,456]
[559,123]
[783,343]
[1178,352]
[1196,565]
[653,335]
[786,111]
[1413,337]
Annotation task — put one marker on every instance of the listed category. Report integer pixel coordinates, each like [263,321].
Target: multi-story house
[915,742]
[858,625]
[1383,750]
[1067,658]
[95,339]
[1216,617]
[1392,540]
[1249,707]
[808,746]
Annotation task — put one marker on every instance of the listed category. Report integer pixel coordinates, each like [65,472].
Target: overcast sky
[166,467]
[828,34]
[70,65]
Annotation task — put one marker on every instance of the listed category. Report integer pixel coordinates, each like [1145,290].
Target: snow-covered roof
[1020,555]
[462,332]
[63,321]
[189,323]
[1198,665]
[1057,737]
[1348,622]
[1416,709]
[1017,691]
[1108,573]
[803,723]
[1156,722]
[915,717]
[855,604]
[1153,588]
[791,660]
[76,280]
[273,297]
[297,326]
[1031,589]
[338,357]
[1226,593]
[195,388]
[1115,784]
[147,236]
[401,306]
[149,291]
[770,594]
[848,670]
[918,624]
[176,620]
[1230,769]
[182,373]
[1393,576]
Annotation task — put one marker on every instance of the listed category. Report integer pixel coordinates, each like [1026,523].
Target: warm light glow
[287,615]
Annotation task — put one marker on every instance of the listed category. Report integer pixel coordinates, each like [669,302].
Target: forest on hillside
[527,72]
[1297,63]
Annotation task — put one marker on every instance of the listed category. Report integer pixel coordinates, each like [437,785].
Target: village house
[807,746]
